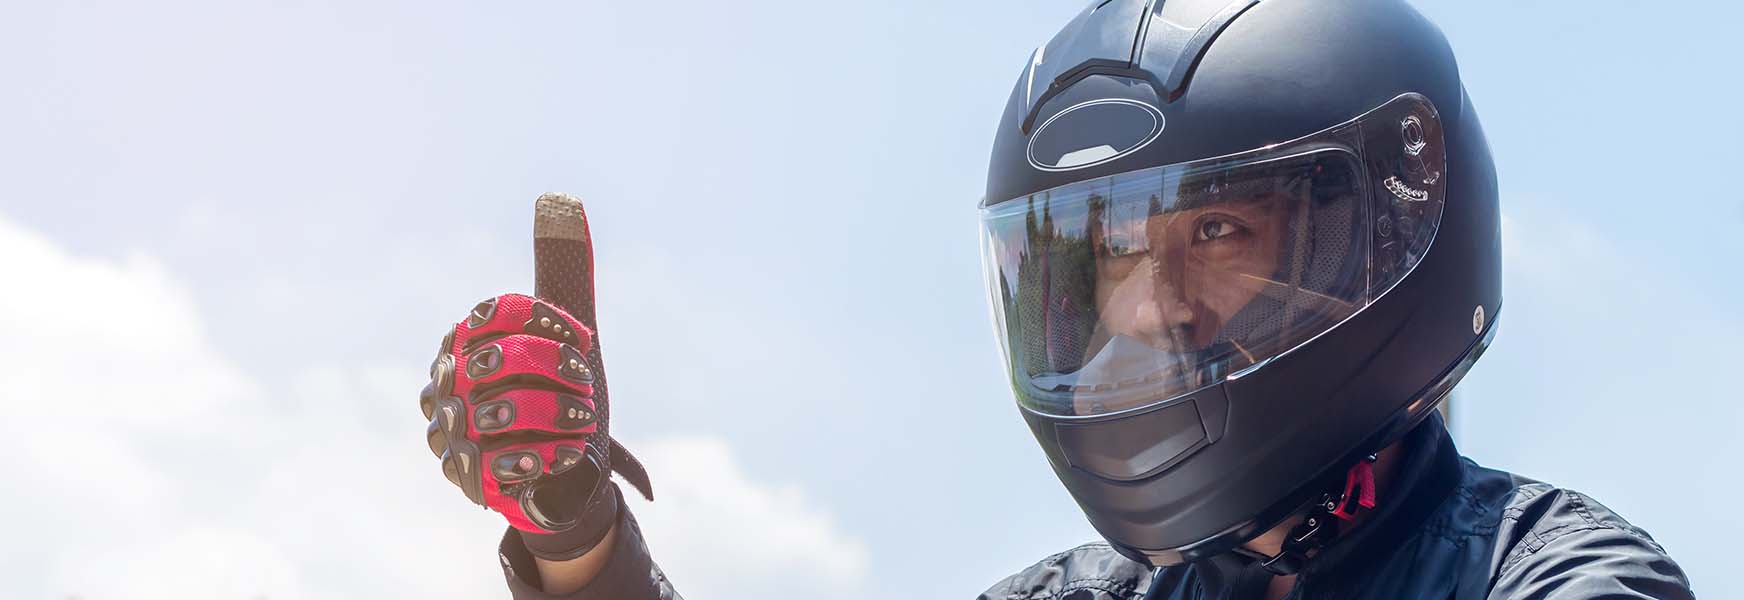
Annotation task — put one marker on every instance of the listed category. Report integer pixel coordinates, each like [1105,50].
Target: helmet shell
[1250,451]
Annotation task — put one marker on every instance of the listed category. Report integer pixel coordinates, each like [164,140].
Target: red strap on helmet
[1359,490]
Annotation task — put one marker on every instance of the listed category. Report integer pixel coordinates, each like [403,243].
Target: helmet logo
[1478,320]
[1093,133]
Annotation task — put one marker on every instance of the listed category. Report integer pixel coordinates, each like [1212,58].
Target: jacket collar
[1430,472]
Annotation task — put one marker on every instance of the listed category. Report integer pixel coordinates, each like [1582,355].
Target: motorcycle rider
[1238,251]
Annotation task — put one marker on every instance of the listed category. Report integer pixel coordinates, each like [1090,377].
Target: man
[1238,251]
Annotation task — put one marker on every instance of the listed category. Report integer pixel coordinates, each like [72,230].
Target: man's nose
[1172,309]
[1163,313]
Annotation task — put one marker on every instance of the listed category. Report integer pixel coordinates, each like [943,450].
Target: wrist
[568,576]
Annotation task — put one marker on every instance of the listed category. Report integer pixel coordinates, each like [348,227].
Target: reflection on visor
[1126,291]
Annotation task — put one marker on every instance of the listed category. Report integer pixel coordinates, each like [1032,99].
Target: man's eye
[1212,229]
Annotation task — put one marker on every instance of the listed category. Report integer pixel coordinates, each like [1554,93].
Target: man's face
[1187,272]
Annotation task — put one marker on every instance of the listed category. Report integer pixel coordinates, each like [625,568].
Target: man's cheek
[1225,292]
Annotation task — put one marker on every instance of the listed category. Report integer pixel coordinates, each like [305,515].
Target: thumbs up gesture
[517,399]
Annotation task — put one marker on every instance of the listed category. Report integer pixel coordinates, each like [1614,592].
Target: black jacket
[1452,530]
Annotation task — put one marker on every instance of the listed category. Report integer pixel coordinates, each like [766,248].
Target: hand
[517,400]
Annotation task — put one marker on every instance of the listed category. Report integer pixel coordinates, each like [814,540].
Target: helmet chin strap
[1245,573]
[1322,522]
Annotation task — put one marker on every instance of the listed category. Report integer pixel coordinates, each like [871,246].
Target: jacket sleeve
[1581,550]
[630,575]
[1092,571]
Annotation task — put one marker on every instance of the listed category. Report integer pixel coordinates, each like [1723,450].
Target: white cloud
[191,562]
[714,529]
[148,465]
[107,372]
[97,327]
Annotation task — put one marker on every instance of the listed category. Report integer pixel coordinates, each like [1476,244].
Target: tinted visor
[1126,291]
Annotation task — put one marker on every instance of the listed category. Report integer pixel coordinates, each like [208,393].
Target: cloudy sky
[231,234]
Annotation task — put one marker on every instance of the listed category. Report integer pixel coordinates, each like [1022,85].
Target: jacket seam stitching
[1522,496]
[1549,536]
[1101,584]
[1109,586]
[1068,586]
[1578,504]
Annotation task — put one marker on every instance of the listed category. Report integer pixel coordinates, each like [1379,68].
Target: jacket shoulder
[1093,571]
[1554,542]
[1538,514]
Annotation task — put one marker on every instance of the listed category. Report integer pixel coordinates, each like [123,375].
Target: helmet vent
[1180,34]
[1092,133]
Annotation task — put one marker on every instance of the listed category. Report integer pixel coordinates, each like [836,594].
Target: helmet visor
[1126,291]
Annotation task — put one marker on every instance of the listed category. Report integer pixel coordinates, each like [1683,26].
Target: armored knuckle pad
[512,411]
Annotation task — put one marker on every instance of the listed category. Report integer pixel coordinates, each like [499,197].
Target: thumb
[563,256]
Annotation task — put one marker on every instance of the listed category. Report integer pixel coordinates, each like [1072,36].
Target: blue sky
[272,210]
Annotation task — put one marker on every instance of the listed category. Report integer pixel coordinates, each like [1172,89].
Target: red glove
[517,400]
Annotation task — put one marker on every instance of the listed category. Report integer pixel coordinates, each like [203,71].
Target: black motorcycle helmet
[1234,248]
